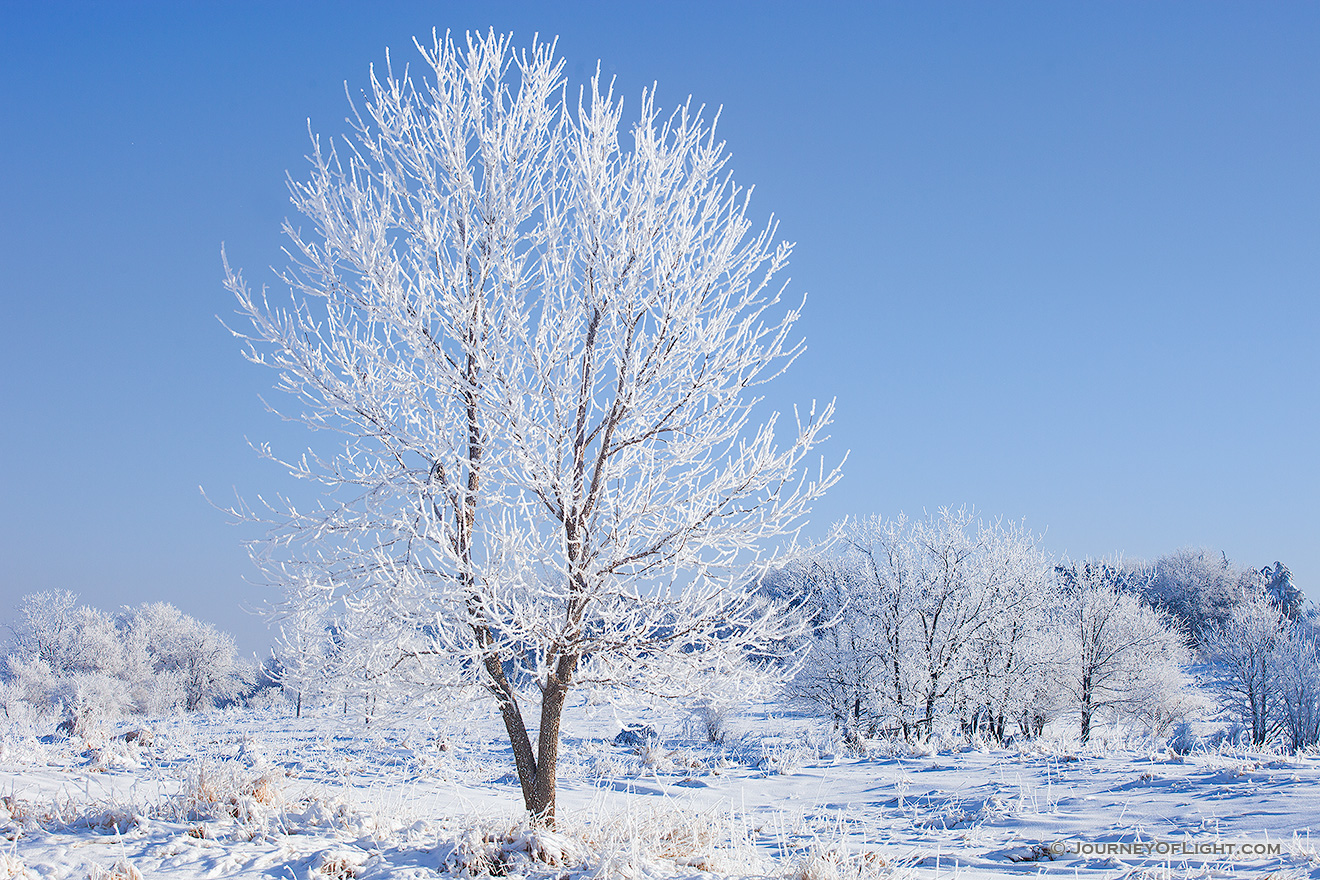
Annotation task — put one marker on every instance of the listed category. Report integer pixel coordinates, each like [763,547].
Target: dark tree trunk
[542,806]
[523,758]
[1088,707]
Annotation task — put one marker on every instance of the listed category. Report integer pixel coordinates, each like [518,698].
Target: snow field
[259,794]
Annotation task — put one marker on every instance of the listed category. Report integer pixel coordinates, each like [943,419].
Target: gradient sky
[1063,258]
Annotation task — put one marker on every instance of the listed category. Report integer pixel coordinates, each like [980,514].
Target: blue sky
[1063,259]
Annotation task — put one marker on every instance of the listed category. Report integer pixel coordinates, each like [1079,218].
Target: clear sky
[1063,258]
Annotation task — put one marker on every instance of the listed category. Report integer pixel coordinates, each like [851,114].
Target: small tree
[1244,650]
[1297,662]
[1122,655]
[849,652]
[541,350]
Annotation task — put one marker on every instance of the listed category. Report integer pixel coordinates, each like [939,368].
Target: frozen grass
[258,795]
[11,865]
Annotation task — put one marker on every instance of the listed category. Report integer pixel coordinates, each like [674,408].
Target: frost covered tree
[1276,580]
[1297,686]
[1012,654]
[93,666]
[540,350]
[1197,586]
[1244,651]
[69,658]
[1123,657]
[303,653]
[198,657]
[848,648]
[959,581]
[923,621]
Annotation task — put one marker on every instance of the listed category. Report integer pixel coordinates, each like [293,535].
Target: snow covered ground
[261,794]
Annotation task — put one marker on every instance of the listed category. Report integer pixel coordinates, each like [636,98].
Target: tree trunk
[929,720]
[547,758]
[523,759]
[1086,709]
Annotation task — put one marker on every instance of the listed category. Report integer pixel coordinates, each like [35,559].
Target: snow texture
[259,794]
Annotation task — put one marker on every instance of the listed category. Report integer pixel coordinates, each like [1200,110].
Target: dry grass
[11,866]
[214,791]
[837,864]
[18,810]
[498,849]
[712,841]
[337,868]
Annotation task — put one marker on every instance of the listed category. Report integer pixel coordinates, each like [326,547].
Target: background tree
[541,351]
[1012,654]
[92,666]
[71,659]
[1122,654]
[1297,667]
[922,621]
[848,667]
[1276,580]
[1244,653]
[969,577]
[1197,586]
[200,658]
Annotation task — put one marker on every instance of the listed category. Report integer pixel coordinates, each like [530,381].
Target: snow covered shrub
[214,791]
[271,701]
[836,862]
[628,844]
[20,717]
[607,766]
[1184,740]
[655,756]
[496,849]
[340,864]
[713,719]
[635,736]
[785,758]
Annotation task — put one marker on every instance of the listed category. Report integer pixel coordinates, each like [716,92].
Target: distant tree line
[952,623]
[90,666]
